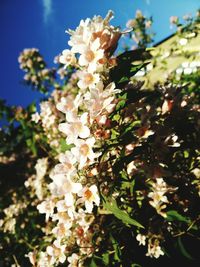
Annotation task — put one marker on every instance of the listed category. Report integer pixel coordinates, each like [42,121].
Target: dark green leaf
[117,251]
[173,215]
[120,214]
[183,250]
[125,68]
[92,263]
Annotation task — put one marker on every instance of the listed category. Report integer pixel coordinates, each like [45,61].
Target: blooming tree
[106,162]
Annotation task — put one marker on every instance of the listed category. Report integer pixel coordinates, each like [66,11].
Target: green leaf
[131,126]
[31,144]
[125,69]
[186,154]
[173,215]
[114,134]
[136,68]
[183,250]
[92,263]
[116,117]
[120,214]
[64,146]
[117,251]
[123,79]
[105,258]
[122,102]
[32,108]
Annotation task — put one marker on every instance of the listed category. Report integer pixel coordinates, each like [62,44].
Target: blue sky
[42,24]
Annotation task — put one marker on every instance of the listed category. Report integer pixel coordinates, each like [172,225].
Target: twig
[15,260]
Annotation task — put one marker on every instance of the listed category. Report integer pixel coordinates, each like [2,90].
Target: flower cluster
[95,41]
[154,249]
[37,75]
[94,149]
[11,212]
[141,33]
[158,196]
[72,193]
[49,121]
[36,181]
[103,168]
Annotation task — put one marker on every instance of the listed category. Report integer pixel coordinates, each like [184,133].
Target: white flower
[46,114]
[154,249]
[91,55]
[44,260]
[141,239]
[63,205]
[46,207]
[131,23]
[183,41]
[62,230]
[83,151]
[100,100]
[171,141]
[69,104]
[75,128]
[94,29]
[41,167]
[158,196]
[32,258]
[65,186]
[89,195]
[67,58]
[81,36]
[87,79]
[74,260]
[9,225]
[131,168]
[160,185]
[84,220]
[65,216]
[62,72]
[196,172]
[67,165]
[167,106]
[56,251]
[35,117]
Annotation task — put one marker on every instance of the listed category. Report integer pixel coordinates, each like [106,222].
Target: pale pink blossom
[100,100]
[87,80]
[35,117]
[83,151]
[91,55]
[67,58]
[65,186]
[62,230]
[74,260]
[75,128]
[69,104]
[84,219]
[67,164]
[89,196]
[57,252]
[47,207]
